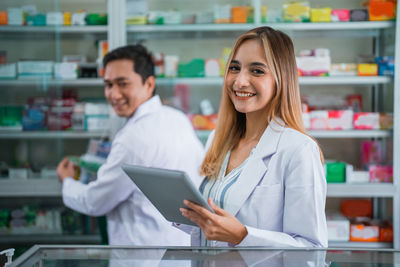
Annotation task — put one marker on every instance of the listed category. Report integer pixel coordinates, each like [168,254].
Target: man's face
[124,88]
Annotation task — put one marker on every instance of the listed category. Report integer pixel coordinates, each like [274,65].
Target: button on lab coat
[155,136]
[280,194]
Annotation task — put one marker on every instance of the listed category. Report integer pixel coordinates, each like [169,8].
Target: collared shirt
[155,136]
[218,189]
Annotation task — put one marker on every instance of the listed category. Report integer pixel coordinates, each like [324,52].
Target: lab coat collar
[150,106]
[256,166]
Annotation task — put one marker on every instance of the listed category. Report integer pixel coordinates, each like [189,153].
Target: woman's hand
[220,226]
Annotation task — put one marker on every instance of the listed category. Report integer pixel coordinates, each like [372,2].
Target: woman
[264,175]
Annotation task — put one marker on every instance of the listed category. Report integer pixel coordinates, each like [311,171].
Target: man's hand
[65,169]
[220,226]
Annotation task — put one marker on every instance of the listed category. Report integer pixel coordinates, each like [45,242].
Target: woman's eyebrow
[234,61]
[258,64]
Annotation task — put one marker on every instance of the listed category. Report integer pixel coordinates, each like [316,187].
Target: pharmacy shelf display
[369,29]
[51,187]
[51,134]
[54,29]
[98,82]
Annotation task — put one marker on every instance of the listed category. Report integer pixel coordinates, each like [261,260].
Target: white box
[18,173]
[338,228]
[54,18]
[66,70]
[33,69]
[8,71]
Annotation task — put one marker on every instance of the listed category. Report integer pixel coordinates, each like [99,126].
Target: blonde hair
[285,102]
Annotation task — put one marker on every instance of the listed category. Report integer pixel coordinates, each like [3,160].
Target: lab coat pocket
[267,204]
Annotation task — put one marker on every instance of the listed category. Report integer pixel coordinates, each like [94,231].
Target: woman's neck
[255,127]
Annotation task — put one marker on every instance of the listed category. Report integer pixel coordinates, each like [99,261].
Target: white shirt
[280,194]
[155,136]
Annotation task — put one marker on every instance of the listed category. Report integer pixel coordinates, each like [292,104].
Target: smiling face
[124,88]
[249,81]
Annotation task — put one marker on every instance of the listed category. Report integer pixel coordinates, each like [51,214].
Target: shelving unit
[50,135]
[372,30]
[118,32]
[49,239]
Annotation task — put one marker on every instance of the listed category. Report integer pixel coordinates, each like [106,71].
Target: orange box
[381,10]
[367,69]
[386,234]
[364,233]
[239,14]
[3,18]
[356,208]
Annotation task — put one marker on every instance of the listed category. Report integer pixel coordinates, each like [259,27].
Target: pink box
[380,174]
[340,15]
[331,119]
[366,120]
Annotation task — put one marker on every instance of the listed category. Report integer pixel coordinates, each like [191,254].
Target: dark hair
[143,63]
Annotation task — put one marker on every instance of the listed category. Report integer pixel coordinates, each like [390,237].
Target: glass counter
[46,255]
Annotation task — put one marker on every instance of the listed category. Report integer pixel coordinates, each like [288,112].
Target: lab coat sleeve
[193,231]
[304,221]
[102,195]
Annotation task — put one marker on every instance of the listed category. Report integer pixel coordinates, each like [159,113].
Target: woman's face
[251,84]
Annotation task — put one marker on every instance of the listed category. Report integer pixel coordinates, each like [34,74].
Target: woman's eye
[258,71]
[234,68]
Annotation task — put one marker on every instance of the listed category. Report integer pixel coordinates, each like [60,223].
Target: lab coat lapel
[255,168]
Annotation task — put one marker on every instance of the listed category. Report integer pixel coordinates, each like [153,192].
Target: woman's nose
[242,80]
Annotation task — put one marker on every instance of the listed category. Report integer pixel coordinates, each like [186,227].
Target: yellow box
[296,11]
[321,14]
[367,69]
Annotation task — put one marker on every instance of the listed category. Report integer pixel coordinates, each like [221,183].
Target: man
[154,136]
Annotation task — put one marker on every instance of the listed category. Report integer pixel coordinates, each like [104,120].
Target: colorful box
[364,233]
[298,11]
[321,14]
[335,172]
[340,15]
[366,121]
[3,18]
[367,69]
[380,174]
[381,10]
[239,14]
[343,69]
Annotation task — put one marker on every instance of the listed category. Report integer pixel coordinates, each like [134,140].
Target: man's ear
[150,84]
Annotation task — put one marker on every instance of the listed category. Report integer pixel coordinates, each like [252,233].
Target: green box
[335,172]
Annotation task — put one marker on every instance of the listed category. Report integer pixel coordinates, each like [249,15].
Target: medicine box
[338,227]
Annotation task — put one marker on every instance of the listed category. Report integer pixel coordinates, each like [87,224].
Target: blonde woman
[264,175]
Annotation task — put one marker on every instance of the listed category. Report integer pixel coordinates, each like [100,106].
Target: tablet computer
[166,190]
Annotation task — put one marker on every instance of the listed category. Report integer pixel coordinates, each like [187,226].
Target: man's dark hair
[143,63]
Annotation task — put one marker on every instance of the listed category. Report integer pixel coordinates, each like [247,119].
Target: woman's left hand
[220,226]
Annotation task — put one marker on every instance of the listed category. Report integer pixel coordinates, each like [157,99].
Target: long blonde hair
[285,103]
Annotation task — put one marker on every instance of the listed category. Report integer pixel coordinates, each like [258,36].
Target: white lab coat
[280,194]
[155,136]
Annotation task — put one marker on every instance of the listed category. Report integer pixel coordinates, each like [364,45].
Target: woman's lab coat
[280,194]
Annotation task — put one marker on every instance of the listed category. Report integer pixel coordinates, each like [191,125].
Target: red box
[366,121]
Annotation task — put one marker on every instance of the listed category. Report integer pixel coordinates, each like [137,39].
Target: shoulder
[292,140]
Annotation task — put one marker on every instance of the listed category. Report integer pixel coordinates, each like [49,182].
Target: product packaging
[298,11]
[340,15]
[366,121]
[320,14]
[380,174]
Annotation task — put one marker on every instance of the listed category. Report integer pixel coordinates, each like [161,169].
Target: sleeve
[193,231]
[304,221]
[102,195]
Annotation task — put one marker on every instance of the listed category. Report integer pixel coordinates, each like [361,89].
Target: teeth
[243,94]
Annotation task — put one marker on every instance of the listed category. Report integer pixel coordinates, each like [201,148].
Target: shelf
[361,190]
[51,134]
[53,29]
[49,239]
[365,25]
[31,187]
[334,80]
[202,134]
[206,81]
[52,82]
[350,134]
[343,244]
